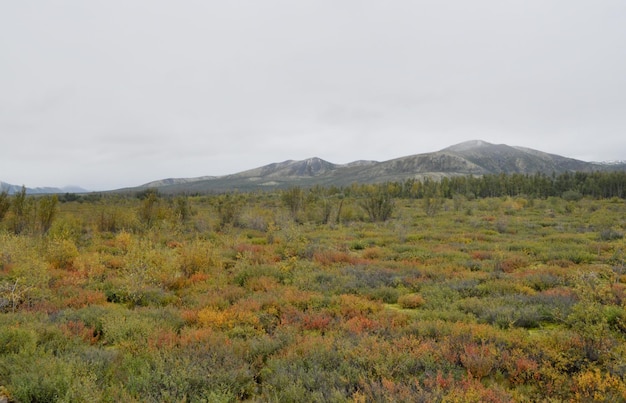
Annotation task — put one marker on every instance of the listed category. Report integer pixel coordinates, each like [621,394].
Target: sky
[106,94]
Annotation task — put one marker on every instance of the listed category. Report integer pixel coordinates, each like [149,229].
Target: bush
[610,234]
[47,212]
[571,195]
[294,200]
[14,340]
[5,204]
[197,257]
[229,209]
[61,254]
[378,204]
[411,301]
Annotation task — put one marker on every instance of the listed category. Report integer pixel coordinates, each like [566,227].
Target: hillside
[474,157]
[11,189]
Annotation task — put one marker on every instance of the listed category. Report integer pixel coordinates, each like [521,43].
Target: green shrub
[5,204]
[609,234]
[571,195]
[46,212]
[14,340]
[378,204]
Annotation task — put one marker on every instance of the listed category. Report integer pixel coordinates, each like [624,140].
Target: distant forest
[568,185]
[572,186]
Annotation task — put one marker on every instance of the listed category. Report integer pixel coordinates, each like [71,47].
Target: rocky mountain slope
[474,157]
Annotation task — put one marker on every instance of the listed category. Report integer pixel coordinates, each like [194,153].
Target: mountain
[175,181]
[12,189]
[311,167]
[474,157]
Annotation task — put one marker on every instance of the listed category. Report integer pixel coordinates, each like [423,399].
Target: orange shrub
[329,257]
[79,329]
[481,255]
[479,359]
[189,316]
[411,301]
[85,298]
[511,264]
[373,253]
[319,321]
[361,324]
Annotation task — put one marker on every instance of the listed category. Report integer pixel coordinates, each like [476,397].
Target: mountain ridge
[474,157]
[12,189]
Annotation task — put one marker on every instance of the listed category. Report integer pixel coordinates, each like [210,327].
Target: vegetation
[304,295]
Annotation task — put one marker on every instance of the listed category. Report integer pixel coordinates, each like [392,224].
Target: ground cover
[309,296]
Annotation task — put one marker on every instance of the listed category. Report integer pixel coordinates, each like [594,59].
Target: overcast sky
[114,93]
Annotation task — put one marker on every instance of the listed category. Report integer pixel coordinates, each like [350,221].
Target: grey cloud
[128,91]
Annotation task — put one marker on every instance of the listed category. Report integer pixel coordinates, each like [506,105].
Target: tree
[182,208]
[228,210]
[21,210]
[47,211]
[294,200]
[148,210]
[378,204]
[5,204]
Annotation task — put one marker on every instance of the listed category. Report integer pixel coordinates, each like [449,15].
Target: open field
[300,296]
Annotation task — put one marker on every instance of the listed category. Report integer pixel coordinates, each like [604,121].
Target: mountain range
[474,157]
[12,189]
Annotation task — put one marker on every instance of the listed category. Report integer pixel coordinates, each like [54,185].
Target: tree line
[35,214]
[598,185]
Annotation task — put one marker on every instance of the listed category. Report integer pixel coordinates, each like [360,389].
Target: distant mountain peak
[12,189]
[313,160]
[474,157]
[468,145]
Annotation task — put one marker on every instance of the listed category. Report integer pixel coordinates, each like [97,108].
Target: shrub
[46,212]
[294,200]
[115,218]
[39,378]
[14,340]
[62,253]
[196,257]
[378,204]
[571,195]
[182,208]
[609,234]
[411,301]
[21,208]
[228,210]
[5,204]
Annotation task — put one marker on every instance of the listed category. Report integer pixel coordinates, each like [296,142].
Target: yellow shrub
[353,305]
[197,257]
[123,241]
[597,386]
[62,253]
[211,317]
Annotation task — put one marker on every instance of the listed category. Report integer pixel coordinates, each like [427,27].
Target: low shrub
[411,301]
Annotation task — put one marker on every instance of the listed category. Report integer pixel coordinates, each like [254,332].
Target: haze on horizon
[109,94]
